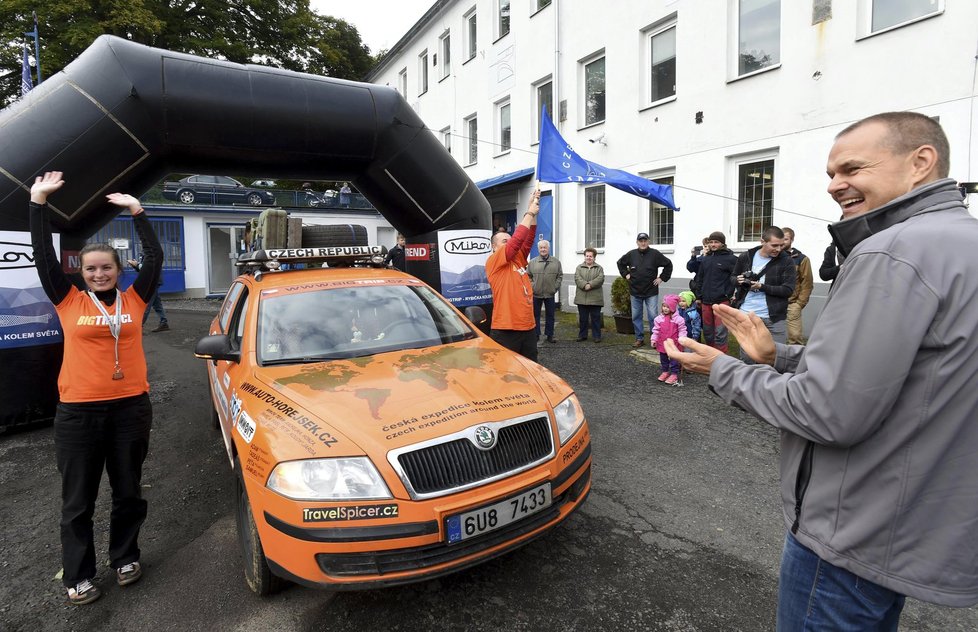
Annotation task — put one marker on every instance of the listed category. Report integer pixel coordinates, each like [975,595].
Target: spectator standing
[714,285]
[589,298]
[546,275]
[512,292]
[687,309]
[345,195]
[395,256]
[765,278]
[104,416]
[641,268]
[696,255]
[831,262]
[668,325]
[876,413]
[803,288]
[155,303]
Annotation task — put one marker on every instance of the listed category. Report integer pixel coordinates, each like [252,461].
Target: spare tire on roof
[315,236]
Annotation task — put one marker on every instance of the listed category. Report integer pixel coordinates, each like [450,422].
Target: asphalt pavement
[682,530]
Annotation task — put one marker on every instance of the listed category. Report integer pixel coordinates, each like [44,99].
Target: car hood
[394,399]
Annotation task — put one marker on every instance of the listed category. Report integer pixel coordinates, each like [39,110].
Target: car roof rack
[271,260]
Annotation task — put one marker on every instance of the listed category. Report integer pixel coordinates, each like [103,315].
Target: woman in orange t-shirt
[104,416]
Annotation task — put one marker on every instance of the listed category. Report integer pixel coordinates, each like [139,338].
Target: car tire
[254,199]
[186,196]
[257,573]
[334,235]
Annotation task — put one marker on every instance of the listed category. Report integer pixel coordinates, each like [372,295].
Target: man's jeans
[815,595]
[550,305]
[651,304]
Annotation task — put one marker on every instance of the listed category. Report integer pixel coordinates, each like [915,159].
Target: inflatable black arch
[122,116]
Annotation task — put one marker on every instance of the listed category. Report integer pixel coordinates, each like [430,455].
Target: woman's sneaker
[83,592]
[672,379]
[663,376]
[129,574]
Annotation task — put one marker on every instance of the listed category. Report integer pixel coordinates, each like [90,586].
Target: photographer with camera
[765,277]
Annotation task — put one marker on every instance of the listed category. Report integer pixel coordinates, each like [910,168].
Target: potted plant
[621,306]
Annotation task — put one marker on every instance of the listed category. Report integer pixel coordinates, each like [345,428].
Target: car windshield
[349,322]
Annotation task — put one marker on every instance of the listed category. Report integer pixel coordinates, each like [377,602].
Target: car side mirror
[215,348]
[476,314]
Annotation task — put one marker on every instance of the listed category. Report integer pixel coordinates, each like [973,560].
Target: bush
[621,301]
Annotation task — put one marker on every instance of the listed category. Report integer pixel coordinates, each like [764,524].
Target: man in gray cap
[641,268]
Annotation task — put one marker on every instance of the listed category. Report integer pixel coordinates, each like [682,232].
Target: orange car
[377,437]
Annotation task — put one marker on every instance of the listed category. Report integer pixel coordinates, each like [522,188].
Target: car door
[225,375]
[229,190]
[203,186]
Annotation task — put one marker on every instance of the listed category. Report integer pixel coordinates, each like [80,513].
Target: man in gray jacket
[877,414]
[546,274]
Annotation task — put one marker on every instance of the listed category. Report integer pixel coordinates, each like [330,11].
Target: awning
[514,176]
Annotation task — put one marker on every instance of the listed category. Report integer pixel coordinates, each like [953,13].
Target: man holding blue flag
[557,162]
[26,84]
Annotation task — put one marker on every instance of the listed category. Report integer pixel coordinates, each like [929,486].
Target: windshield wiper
[310,359]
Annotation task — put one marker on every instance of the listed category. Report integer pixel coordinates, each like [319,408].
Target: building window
[755,199]
[661,217]
[594,92]
[662,45]
[446,138]
[503,118]
[472,139]
[758,35]
[445,46]
[543,98]
[594,217]
[471,34]
[887,14]
[423,72]
[402,82]
[503,23]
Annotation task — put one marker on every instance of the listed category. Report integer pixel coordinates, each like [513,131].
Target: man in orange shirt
[513,324]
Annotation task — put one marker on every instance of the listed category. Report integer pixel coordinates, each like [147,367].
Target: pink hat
[671,301]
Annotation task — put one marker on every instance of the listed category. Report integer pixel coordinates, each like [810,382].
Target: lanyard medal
[115,326]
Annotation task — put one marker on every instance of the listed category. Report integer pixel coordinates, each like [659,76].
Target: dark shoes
[551,339]
[638,343]
[162,327]
[597,339]
[129,574]
[582,338]
[84,592]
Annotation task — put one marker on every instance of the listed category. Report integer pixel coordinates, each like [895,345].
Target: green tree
[281,33]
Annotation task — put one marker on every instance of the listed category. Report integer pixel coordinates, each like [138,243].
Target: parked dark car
[215,190]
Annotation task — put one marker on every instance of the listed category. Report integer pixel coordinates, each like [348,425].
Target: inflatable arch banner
[122,116]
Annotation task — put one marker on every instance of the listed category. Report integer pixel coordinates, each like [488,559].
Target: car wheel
[186,196]
[254,199]
[259,577]
[315,236]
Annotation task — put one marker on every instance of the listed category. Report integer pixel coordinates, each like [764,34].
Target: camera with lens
[749,277]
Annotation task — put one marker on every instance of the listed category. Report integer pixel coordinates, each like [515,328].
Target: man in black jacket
[395,256]
[640,267]
[766,277]
[713,285]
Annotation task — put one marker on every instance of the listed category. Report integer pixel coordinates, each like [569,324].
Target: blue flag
[557,162]
[25,76]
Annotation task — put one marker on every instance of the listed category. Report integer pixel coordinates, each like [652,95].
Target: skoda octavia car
[378,437]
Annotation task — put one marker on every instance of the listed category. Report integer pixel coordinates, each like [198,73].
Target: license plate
[491,517]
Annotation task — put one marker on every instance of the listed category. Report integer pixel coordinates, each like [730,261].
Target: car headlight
[569,418]
[329,479]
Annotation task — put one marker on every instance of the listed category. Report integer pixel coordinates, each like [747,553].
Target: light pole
[37,48]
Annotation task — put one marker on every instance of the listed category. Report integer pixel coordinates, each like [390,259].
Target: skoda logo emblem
[485,438]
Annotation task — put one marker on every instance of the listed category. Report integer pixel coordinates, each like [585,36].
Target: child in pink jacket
[668,325]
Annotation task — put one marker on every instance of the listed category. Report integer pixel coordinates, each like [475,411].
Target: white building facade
[734,102]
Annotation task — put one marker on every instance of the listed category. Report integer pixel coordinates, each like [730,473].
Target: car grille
[459,463]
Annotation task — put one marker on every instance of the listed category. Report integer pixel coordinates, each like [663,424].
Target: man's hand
[750,331]
[45,185]
[698,359]
[656,281]
[125,200]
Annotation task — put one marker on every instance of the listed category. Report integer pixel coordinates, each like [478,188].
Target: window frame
[864,19]
[655,208]
[470,34]
[402,82]
[504,24]
[583,65]
[472,142]
[734,28]
[649,34]
[423,72]
[737,163]
[536,116]
[445,50]
[589,229]
[446,138]
[501,106]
